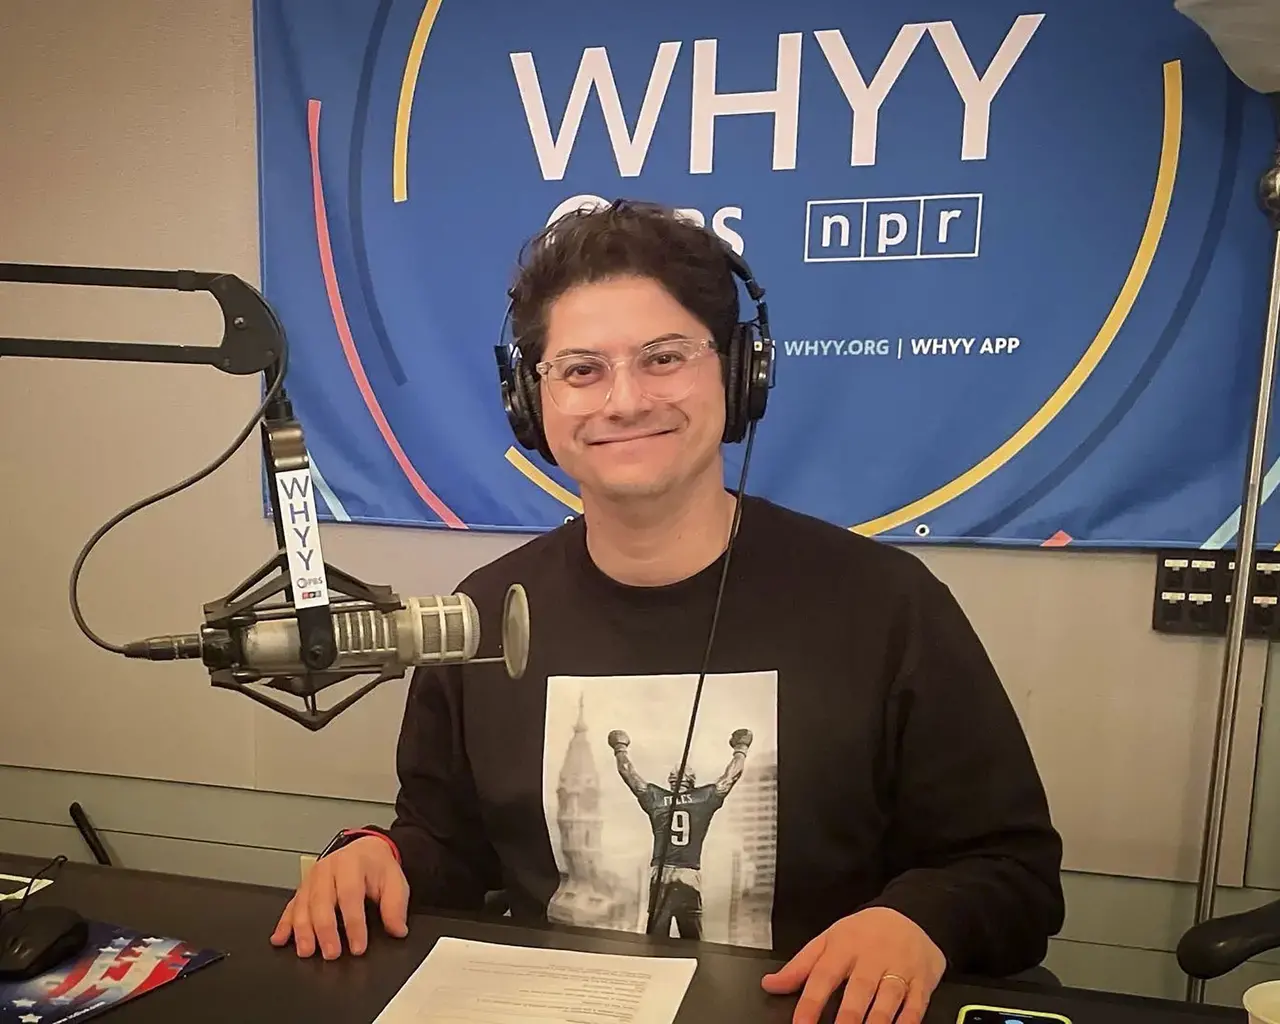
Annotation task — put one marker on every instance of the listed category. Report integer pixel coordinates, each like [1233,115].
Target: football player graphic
[686,809]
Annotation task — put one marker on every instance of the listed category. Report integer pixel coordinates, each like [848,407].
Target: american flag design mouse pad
[116,965]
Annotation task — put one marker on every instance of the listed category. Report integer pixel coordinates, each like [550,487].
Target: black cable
[659,884]
[195,478]
[57,862]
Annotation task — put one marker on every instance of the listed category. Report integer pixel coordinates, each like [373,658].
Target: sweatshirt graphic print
[613,746]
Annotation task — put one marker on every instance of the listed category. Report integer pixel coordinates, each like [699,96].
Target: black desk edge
[660,945]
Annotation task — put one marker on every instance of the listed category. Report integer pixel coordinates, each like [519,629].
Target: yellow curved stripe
[1160,200]
[536,476]
[409,82]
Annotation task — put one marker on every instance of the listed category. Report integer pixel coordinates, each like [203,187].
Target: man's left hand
[885,959]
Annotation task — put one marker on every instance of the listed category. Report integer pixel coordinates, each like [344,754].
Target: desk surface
[259,982]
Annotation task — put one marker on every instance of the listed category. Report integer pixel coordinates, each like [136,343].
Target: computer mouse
[37,939]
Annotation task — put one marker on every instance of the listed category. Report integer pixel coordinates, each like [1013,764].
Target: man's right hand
[339,883]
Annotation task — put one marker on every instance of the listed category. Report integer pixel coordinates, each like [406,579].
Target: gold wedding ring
[895,977]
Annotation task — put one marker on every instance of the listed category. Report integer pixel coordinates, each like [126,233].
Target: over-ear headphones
[748,372]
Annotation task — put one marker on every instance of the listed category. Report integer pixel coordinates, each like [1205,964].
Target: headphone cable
[656,890]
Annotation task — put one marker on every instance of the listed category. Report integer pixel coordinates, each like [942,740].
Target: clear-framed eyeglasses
[580,383]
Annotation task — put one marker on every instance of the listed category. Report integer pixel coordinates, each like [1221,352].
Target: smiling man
[889,823]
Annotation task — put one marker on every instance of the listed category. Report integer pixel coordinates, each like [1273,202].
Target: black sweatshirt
[854,747]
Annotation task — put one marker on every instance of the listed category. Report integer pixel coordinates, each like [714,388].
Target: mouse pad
[117,965]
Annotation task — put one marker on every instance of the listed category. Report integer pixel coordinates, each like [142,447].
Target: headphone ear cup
[734,425]
[758,374]
[530,399]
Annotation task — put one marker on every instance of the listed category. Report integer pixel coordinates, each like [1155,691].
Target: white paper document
[14,887]
[465,982]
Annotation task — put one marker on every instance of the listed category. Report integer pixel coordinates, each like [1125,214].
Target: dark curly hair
[625,238]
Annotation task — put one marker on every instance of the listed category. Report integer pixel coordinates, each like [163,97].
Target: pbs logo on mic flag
[1015,268]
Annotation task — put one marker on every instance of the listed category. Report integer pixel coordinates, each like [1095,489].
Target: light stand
[253,341]
[1211,843]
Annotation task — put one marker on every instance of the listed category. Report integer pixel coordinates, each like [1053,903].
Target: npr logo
[905,228]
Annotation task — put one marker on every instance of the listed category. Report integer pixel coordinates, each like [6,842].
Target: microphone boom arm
[253,341]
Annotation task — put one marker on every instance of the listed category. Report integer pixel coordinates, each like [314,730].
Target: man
[901,828]
[678,834]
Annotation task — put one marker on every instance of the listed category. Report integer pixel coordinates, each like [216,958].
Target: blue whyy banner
[1015,267]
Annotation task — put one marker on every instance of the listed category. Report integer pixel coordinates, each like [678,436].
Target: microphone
[266,642]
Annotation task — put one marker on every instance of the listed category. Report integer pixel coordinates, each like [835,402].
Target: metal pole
[1211,843]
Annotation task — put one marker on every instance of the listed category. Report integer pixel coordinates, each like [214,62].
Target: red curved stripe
[446,514]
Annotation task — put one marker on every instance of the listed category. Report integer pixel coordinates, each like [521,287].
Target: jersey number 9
[680,828]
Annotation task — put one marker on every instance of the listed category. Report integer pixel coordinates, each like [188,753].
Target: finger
[304,936]
[825,978]
[324,922]
[860,991]
[886,1002]
[349,885]
[793,974]
[916,1003]
[393,902]
[284,927]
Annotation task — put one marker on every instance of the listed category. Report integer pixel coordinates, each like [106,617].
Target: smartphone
[974,1014]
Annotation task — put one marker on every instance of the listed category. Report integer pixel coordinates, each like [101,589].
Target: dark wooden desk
[257,982]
